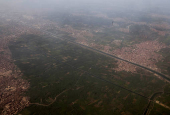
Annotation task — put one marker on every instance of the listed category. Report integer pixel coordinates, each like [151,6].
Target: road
[113,56]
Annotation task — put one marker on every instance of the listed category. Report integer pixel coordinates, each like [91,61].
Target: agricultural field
[68,79]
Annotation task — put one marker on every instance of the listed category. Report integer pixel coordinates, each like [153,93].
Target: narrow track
[52,101]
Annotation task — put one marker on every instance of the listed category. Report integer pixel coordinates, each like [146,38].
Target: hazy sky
[86,4]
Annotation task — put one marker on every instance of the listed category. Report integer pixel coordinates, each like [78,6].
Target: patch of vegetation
[78,21]
[165,64]
[166,40]
[159,110]
[139,29]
